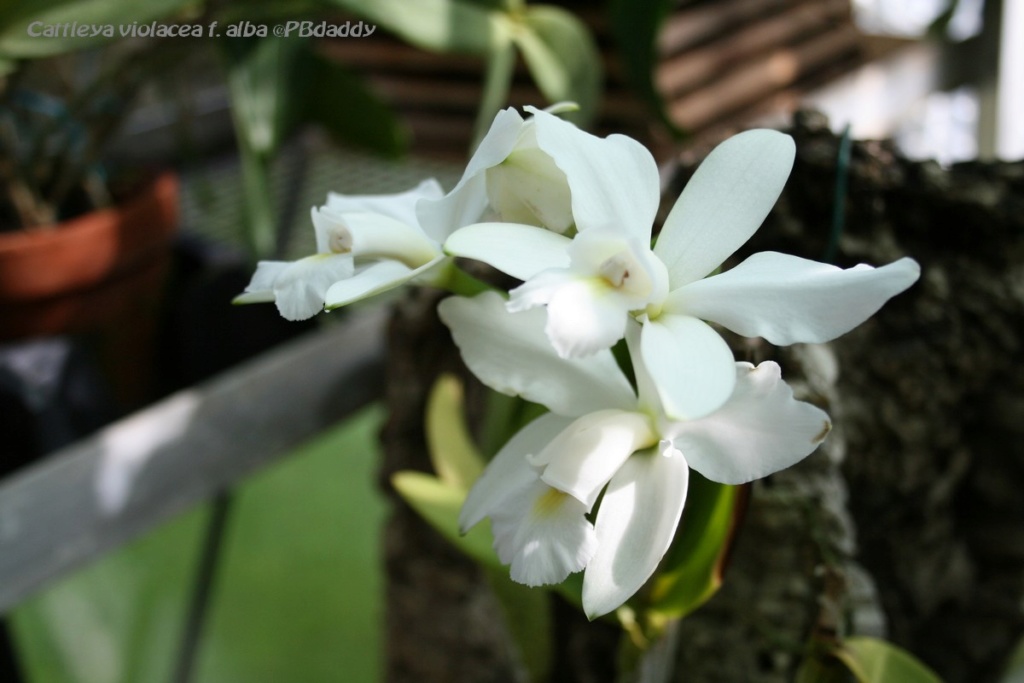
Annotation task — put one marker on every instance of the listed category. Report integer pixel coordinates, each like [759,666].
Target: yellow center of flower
[549,502]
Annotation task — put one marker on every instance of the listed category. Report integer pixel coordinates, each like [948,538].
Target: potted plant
[74,250]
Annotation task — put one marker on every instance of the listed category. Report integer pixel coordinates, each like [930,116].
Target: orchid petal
[261,287]
[527,187]
[724,203]
[521,251]
[635,525]
[509,471]
[374,235]
[582,459]
[585,315]
[299,287]
[511,354]
[543,534]
[614,181]
[646,388]
[690,363]
[787,299]
[467,201]
[761,429]
[372,279]
[400,206]
[260,296]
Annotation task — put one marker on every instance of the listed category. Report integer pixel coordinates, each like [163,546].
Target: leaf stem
[457,281]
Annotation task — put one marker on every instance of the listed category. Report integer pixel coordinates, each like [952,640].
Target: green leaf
[635,25]
[501,65]
[438,25]
[562,58]
[452,452]
[17,18]
[1014,672]
[821,667]
[260,74]
[872,660]
[259,226]
[439,503]
[692,569]
[339,101]
[263,79]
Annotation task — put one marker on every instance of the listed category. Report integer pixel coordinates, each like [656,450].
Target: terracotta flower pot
[89,271]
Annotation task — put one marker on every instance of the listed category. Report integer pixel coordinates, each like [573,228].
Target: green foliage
[341,103]
[260,73]
[1014,672]
[439,502]
[501,64]
[438,25]
[259,76]
[558,50]
[876,661]
[562,58]
[692,570]
[439,499]
[458,463]
[277,84]
[454,456]
[635,26]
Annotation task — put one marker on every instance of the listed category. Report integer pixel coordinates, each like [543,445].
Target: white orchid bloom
[599,436]
[510,178]
[365,244]
[592,284]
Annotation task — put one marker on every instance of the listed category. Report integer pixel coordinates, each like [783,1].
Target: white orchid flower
[510,178]
[599,436]
[592,284]
[365,244]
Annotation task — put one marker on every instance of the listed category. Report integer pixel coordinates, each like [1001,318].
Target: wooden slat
[759,80]
[95,495]
[382,52]
[687,70]
[690,26]
[718,59]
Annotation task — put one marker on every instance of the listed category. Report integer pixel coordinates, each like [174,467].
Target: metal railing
[85,500]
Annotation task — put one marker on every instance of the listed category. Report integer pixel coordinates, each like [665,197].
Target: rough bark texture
[442,622]
[922,475]
[932,398]
[907,523]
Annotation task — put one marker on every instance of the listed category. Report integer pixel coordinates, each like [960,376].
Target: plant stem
[654,663]
[458,281]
